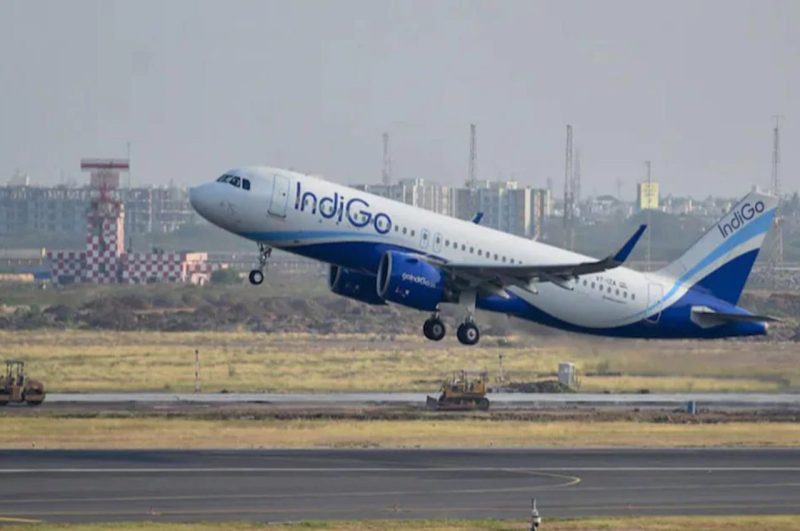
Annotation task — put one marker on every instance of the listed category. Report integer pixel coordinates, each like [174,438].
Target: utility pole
[649,216]
[569,229]
[196,371]
[576,179]
[473,156]
[386,174]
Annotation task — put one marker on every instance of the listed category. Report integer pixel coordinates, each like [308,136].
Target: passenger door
[654,294]
[280,196]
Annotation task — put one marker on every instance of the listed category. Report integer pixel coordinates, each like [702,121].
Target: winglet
[626,250]
[477,219]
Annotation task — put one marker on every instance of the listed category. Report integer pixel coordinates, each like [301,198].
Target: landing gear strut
[257,275]
[467,332]
[434,328]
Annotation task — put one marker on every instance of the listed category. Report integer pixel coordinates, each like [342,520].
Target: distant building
[415,192]
[104,259]
[647,196]
[605,208]
[505,205]
[61,209]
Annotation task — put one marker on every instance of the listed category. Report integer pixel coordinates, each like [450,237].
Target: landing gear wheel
[434,329]
[468,334]
[256,277]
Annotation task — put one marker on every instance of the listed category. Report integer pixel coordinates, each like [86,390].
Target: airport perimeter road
[354,484]
[499,400]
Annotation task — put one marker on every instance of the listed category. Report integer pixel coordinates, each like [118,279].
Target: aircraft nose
[200,199]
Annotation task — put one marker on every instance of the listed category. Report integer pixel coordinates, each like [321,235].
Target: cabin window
[447,243]
[405,231]
[480,252]
[592,285]
[504,259]
[584,282]
[413,232]
[463,247]
[495,256]
[472,250]
[617,293]
[633,296]
[625,294]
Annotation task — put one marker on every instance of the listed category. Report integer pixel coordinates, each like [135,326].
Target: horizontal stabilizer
[707,317]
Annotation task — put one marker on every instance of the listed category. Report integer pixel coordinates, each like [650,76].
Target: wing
[503,275]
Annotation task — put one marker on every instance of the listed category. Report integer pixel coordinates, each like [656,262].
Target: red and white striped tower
[105,238]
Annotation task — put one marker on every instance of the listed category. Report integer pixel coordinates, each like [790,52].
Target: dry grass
[654,523]
[75,360]
[27,432]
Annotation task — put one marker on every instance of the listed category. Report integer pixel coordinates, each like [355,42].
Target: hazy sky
[198,87]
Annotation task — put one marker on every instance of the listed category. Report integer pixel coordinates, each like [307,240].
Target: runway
[501,400]
[355,484]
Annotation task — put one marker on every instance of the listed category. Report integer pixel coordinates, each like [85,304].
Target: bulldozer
[463,391]
[16,387]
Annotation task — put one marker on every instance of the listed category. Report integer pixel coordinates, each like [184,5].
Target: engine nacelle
[353,285]
[408,280]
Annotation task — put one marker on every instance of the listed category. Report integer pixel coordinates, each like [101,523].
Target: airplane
[382,251]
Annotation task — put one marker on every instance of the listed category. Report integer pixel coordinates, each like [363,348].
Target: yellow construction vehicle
[16,387]
[464,390]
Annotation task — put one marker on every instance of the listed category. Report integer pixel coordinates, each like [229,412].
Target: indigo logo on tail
[740,217]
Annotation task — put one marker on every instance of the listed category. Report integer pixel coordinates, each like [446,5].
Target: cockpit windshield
[234,180]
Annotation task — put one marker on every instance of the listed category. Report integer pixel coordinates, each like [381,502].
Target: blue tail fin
[720,261]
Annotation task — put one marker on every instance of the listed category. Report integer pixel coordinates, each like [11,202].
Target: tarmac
[501,400]
[290,485]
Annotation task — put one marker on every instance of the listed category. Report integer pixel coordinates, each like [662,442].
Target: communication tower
[386,174]
[776,251]
[569,197]
[473,156]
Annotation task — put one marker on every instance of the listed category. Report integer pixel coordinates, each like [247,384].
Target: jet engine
[353,285]
[408,280]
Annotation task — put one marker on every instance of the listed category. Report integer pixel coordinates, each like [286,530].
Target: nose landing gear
[256,276]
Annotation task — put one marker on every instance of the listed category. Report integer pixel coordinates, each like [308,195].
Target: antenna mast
[386,174]
[473,156]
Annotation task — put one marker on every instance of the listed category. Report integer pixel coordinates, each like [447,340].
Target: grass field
[79,360]
[654,523]
[149,432]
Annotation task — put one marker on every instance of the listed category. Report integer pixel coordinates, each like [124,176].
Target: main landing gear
[434,328]
[467,332]
[256,276]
